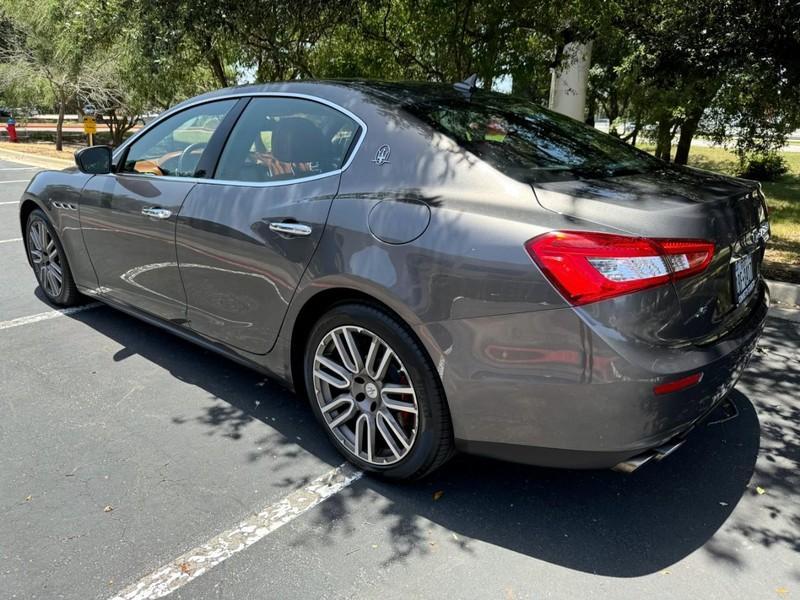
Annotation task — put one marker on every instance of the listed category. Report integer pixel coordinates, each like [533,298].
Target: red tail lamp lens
[589,266]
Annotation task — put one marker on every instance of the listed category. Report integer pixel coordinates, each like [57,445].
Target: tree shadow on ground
[594,521]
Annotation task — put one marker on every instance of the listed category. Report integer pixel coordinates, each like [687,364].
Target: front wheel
[372,387]
[49,262]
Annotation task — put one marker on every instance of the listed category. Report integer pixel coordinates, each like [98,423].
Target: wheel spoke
[353,349]
[389,419]
[56,271]
[54,287]
[36,256]
[45,281]
[344,356]
[387,437]
[35,239]
[337,402]
[380,373]
[348,408]
[399,405]
[371,353]
[340,377]
[365,429]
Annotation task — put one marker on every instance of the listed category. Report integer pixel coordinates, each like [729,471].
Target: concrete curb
[787,314]
[35,160]
[784,293]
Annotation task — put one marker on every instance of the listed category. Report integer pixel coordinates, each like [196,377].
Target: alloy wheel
[365,395]
[45,258]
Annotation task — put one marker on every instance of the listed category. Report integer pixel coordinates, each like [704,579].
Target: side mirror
[94,160]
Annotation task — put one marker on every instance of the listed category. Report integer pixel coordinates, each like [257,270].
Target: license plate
[744,278]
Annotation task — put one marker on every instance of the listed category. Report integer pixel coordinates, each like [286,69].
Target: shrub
[764,167]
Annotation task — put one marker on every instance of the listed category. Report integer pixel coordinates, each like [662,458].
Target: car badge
[382,155]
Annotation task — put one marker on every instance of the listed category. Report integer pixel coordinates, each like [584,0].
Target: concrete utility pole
[568,85]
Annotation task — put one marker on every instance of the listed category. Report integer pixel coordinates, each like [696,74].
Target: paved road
[100,410]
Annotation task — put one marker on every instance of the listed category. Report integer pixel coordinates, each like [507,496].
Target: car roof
[384,92]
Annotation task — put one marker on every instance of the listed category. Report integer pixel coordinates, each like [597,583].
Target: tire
[40,235]
[341,397]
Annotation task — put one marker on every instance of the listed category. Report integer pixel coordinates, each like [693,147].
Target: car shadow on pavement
[594,521]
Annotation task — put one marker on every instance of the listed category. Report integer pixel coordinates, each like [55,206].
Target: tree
[51,46]
[727,65]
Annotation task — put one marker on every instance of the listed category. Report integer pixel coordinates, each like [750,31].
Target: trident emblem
[382,155]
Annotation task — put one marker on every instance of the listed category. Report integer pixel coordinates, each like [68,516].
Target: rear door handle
[287,228]
[157,213]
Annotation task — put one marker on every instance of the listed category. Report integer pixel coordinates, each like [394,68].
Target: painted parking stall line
[15,181]
[20,169]
[11,240]
[199,560]
[9,203]
[45,316]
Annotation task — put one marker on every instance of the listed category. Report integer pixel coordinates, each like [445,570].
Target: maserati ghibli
[437,268]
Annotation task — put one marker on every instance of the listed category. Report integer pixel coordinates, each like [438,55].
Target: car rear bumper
[544,388]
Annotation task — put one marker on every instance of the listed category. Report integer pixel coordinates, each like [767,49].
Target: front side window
[527,142]
[279,139]
[174,147]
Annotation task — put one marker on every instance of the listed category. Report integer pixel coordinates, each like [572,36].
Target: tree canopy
[727,68]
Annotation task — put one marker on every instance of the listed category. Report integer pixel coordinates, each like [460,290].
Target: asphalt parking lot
[124,450]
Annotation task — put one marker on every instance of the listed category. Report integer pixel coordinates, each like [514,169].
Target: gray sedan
[437,268]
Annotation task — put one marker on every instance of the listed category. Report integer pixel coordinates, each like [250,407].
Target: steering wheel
[182,171]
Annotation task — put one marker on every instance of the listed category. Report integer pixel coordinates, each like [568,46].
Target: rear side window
[527,142]
[278,139]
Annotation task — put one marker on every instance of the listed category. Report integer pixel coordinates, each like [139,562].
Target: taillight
[589,266]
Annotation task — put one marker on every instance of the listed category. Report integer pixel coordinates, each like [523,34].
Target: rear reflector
[588,266]
[678,384]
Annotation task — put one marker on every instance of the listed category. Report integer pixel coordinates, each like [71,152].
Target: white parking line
[20,168]
[11,240]
[50,314]
[15,181]
[202,559]
[12,202]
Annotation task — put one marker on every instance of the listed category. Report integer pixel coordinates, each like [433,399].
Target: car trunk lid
[675,203]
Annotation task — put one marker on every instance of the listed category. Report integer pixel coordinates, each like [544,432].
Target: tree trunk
[688,129]
[591,108]
[60,124]
[218,68]
[663,139]
[116,138]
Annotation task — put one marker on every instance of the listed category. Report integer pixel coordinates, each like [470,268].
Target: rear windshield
[529,143]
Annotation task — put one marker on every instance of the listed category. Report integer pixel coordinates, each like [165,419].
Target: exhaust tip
[632,464]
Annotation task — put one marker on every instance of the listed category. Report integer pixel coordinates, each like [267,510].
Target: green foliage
[764,167]
[728,68]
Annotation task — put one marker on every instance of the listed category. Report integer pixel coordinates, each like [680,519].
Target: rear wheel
[376,394]
[49,261]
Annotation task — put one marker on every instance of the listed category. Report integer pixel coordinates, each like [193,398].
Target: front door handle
[288,228]
[157,213]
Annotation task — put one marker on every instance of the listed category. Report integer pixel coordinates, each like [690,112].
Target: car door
[128,217]
[245,238]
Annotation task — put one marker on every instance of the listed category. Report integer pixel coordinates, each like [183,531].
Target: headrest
[298,140]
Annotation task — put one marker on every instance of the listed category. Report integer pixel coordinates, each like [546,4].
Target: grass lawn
[46,149]
[783,200]
[782,260]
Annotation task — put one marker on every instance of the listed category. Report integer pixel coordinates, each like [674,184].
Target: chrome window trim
[169,113]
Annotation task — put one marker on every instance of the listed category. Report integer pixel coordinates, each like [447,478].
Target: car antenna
[468,86]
